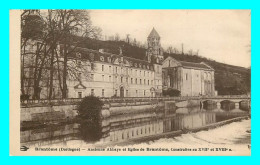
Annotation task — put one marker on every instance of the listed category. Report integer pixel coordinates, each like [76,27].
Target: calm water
[153,128]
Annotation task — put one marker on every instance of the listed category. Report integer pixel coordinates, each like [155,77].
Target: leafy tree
[89,110]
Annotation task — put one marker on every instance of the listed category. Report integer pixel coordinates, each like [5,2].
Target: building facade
[111,75]
[114,75]
[95,72]
[191,79]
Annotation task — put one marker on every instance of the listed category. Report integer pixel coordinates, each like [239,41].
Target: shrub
[24,97]
[89,110]
[171,92]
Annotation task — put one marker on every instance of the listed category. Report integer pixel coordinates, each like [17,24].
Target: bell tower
[154,46]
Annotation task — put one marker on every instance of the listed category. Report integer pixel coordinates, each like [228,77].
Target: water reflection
[131,126]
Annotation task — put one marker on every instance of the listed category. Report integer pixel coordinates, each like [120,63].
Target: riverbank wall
[55,113]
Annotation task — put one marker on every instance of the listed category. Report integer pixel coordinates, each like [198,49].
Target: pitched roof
[80,86]
[153,34]
[194,65]
[95,55]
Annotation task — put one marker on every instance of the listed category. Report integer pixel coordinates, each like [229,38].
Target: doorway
[121,92]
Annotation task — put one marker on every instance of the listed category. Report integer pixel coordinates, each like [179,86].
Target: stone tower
[154,46]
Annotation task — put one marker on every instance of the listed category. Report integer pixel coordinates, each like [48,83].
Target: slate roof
[95,55]
[194,65]
[153,34]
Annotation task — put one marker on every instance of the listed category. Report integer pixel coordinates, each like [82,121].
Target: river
[179,131]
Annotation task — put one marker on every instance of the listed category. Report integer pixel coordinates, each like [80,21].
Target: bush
[171,92]
[89,110]
[24,97]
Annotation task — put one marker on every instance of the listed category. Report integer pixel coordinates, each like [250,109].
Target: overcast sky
[222,35]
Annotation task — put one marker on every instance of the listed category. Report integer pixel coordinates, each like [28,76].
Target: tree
[89,110]
[117,37]
[31,29]
[59,28]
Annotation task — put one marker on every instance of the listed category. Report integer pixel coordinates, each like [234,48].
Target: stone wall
[56,113]
[48,113]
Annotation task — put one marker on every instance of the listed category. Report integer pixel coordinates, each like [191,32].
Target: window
[109,68]
[126,70]
[79,63]
[140,81]
[144,73]
[136,93]
[103,78]
[131,80]
[121,79]
[115,92]
[126,93]
[115,78]
[140,73]
[79,94]
[144,92]
[126,80]
[103,92]
[151,82]
[116,69]
[148,82]
[79,76]
[102,67]
[186,76]
[144,82]
[92,92]
[136,81]
[121,70]
[136,72]
[92,66]
[109,78]
[92,77]
[131,71]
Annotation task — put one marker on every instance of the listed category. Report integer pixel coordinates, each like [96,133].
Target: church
[191,79]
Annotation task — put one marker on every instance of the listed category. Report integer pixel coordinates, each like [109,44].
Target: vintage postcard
[130,82]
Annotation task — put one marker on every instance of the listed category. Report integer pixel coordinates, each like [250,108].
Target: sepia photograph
[130,82]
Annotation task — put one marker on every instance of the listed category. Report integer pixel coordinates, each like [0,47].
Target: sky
[221,35]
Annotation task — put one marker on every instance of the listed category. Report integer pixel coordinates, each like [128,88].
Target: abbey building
[114,75]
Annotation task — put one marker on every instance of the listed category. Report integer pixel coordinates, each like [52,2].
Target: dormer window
[91,55]
[78,55]
[102,58]
[108,59]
